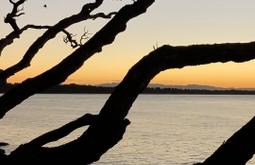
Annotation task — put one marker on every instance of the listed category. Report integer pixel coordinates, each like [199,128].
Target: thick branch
[167,57]
[35,146]
[49,34]
[111,123]
[75,152]
[102,135]
[87,119]
[238,149]
[60,72]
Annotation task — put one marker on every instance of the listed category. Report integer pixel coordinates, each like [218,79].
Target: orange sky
[176,22]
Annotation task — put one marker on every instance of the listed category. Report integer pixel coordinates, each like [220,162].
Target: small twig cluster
[69,38]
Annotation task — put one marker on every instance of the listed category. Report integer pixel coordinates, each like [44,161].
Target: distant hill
[152,89]
[189,86]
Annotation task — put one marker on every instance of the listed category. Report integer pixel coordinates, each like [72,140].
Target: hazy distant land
[152,89]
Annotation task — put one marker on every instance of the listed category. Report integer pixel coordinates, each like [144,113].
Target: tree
[107,128]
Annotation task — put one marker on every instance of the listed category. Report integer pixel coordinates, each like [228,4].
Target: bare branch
[103,15]
[69,39]
[8,40]
[237,150]
[19,12]
[69,65]
[30,26]
[12,2]
[75,152]
[16,12]
[111,124]
[84,36]
[49,34]
[87,119]
[11,19]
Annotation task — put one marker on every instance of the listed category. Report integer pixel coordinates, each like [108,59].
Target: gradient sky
[174,22]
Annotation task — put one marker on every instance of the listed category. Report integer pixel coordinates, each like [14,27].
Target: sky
[173,22]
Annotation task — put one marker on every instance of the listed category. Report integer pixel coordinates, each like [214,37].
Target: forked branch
[73,62]
[16,12]
[87,119]
[48,35]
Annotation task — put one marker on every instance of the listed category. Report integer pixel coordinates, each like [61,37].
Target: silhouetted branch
[238,149]
[8,40]
[16,12]
[84,36]
[11,19]
[87,119]
[74,61]
[111,124]
[167,57]
[103,15]
[78,151]
[107,128]
[69,39]
[49,34]
[74,44]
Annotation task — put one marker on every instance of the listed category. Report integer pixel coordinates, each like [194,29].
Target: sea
[164,129]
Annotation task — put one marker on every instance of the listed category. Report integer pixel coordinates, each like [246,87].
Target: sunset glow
[176,22]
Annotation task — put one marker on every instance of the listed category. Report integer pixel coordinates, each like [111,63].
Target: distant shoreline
[89,89]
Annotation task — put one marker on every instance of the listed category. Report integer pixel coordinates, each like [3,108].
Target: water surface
[165,129]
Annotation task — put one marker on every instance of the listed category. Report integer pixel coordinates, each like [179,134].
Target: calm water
[165,129]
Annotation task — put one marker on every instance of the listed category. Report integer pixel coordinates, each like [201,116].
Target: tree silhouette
[107,128]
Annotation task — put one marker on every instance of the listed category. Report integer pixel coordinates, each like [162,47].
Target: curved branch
[49,34]
[238,150]
[166,57]
[111,124]
[87,119]
[75,152]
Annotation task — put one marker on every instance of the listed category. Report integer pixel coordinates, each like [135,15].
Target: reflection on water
[165,129]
